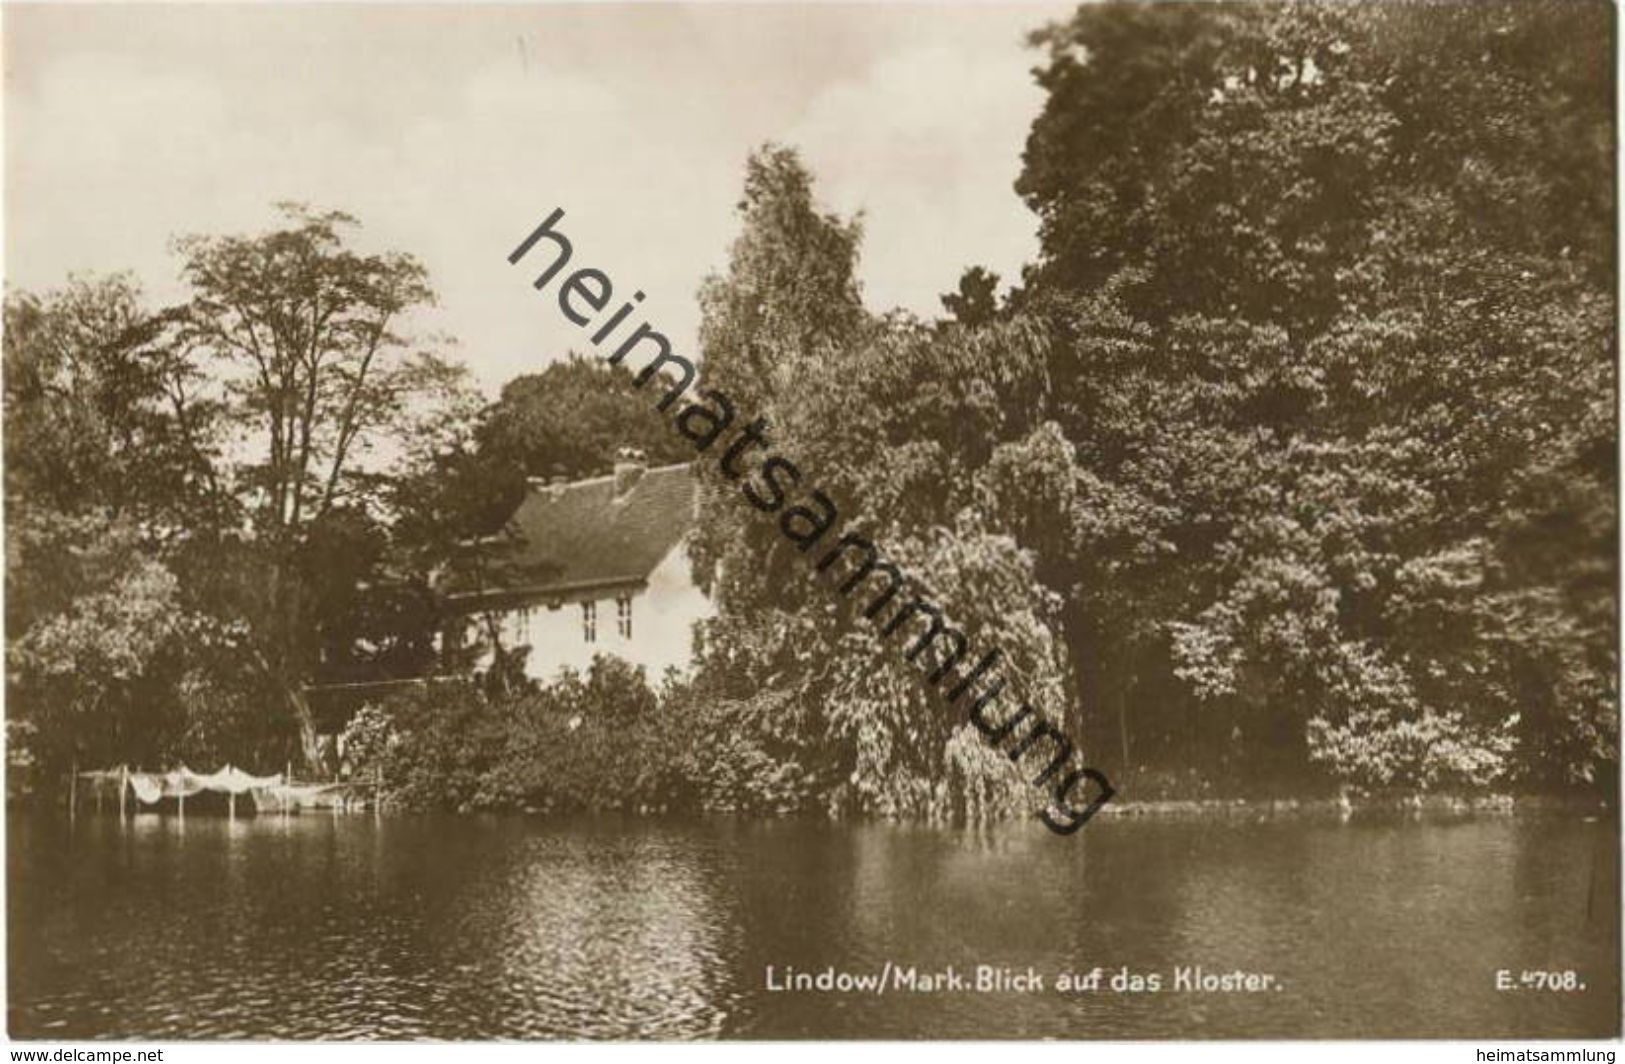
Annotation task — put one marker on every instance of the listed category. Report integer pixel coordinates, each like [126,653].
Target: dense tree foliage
[304,333]
[1288,466]
[599,740]
[193,537]
[897,423]
[570,420]
[108,467]
[1332,294]
[1298,434]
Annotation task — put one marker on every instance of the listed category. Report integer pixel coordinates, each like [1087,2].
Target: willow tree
[308,337]
[898,423]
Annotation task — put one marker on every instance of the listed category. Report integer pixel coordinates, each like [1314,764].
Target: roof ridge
[581,533]
[600,478]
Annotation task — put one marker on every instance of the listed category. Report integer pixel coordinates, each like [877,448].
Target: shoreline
[1407,806]
[1429,805]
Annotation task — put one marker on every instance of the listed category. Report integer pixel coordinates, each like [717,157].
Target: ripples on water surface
[458,928]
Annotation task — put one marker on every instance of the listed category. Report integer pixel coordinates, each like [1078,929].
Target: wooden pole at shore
[73,791]
[123,785]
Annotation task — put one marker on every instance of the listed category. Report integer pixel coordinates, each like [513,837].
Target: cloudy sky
[451,132]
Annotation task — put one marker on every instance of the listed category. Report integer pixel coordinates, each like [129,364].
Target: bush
[598,740]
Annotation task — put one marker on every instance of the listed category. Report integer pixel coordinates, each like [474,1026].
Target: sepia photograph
[899,521]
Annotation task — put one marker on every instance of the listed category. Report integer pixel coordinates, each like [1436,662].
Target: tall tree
[108,466]
[897,422]
[97,409]
[307,335]
[1334,340]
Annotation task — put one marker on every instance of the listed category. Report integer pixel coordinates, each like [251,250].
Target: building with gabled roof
[589,567]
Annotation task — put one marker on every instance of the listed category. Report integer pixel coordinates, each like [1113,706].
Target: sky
[452,132]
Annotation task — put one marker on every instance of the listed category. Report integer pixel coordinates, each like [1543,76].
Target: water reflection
[352,927]
[605,934]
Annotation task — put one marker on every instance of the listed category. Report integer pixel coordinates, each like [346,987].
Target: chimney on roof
[629,467]
[553,483]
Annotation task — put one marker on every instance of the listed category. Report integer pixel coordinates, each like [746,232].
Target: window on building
[623,616]
[589,622]
[454,636]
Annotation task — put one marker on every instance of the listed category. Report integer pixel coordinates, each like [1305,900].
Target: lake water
[422,927]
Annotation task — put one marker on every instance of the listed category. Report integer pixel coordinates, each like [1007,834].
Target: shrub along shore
[606,741]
